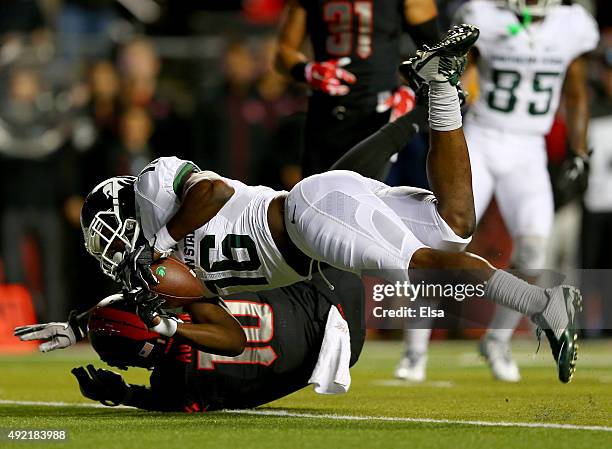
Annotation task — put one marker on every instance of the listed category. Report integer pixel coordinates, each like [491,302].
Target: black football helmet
[122,340]
[108,221]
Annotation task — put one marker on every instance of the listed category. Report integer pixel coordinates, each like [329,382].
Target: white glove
[55,335]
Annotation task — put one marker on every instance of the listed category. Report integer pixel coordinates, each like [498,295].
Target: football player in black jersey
[353,76]
[285,329]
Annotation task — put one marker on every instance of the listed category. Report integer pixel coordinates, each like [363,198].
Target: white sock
[444,108]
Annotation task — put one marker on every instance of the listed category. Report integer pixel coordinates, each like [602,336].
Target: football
[178,284]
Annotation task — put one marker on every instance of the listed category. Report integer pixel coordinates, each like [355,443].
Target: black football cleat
[564,302]
[444,62]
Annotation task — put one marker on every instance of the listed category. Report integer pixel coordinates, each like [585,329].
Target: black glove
[55,335]
[572,179]
[149,310]
[138,295]
[156,319]
[135,269]
[101,385]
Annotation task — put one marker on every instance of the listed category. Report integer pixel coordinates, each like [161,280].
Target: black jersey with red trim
[367,31]
[284,327]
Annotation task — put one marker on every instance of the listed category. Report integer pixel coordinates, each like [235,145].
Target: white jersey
[234,251]
[522,74]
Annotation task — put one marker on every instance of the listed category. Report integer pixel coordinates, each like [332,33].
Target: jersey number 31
[339,18]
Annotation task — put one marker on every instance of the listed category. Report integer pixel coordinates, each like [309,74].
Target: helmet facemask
[537,8]
[108,237]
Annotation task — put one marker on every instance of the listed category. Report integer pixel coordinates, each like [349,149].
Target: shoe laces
[538,337]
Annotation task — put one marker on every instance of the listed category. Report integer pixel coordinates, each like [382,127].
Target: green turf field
[459,390]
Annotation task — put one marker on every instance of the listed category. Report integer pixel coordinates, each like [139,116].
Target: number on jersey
[503,97]
[262,333]
[240,260]
[339,16]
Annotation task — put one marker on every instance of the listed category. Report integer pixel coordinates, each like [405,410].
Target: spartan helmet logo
[108,189]
[108,221]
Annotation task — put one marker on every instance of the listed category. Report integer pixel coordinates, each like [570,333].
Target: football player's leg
[553,309]
[448,162]
[336,217]
[526,204]
[484,146]
[418,210]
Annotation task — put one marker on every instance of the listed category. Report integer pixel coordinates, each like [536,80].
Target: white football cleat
[412,368]
[499,357]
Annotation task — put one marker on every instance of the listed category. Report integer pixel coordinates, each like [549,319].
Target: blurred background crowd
[96,88]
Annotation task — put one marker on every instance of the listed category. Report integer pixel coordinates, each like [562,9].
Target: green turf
[459,388]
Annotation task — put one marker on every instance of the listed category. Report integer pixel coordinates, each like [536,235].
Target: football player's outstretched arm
[577,101]
[213,330]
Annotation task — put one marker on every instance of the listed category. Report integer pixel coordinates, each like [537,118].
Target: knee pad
[529,252]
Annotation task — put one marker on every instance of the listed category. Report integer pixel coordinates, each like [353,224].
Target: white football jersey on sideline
[522,74]
[231,253]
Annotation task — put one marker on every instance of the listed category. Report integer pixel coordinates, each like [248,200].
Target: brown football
[178,284]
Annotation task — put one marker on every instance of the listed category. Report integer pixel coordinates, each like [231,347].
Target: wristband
[163,241]
[298,71]
[166,327]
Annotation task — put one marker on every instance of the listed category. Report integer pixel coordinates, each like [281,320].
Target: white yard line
[407,384]
[284,413]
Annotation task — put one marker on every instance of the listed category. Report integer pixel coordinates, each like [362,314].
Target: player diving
[250,238]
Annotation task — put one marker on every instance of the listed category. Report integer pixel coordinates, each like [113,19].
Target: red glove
[328,76]
[401,102]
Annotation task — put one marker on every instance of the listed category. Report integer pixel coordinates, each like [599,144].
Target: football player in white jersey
[239,237]
[529,53]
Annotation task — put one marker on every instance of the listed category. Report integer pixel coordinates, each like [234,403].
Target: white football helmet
[537,8]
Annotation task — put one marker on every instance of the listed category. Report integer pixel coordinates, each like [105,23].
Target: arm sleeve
[370,156]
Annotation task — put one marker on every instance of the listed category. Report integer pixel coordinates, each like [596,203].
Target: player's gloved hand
[329,76]
[55,335]
[401,102]
[101,385]
[134,270]
[152,315]
[573,178]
